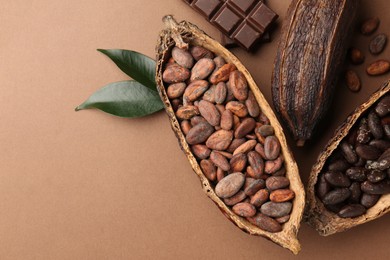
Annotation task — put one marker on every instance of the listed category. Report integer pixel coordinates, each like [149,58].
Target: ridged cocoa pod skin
[304,77]
[181,35]
[324,221]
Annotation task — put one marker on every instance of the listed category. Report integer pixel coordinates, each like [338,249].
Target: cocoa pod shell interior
[183,33]
[324,221]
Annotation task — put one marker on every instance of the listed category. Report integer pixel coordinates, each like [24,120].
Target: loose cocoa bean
[266,223]
[202,69]
[352,211]
[187,112]
[281,195]
[195,90]
[238,162]
[352,80]
[175,73]
[200,151]
[220,93]
[244,209]
[182,57]
[271,147]
[356,56]
[277,182]
[247,125]
[220,160]
[208,169]
[378,43]
[336,196]
[229,185]
[209,112]
[276,210]
[222,74]
[369,26]
[378,67]
[220,140]
[233,200]
[199,133]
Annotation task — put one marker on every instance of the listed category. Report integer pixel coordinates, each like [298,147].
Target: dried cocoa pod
[317,215]
[185,34]
[304,78]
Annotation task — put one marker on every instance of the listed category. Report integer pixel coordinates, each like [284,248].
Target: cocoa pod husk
[180,35]
[327,222]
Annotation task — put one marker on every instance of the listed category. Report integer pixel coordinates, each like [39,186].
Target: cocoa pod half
[308,60]
[181,35]
[323,220]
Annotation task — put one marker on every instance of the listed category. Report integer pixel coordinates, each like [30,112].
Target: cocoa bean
[271,147]
[260,149]
[266,130]
[266,223]
[380,144]
[247,125]
[176,90]
[337,179]
[209,112]
[378,67]
[352,80]
[336,196]
[199,133]
[220,140]
[260,197]
[352,211]
[229,93]
[238,85]
[245,147]
[202,69]
[227,120]
[257,163]
[244,209]
[349,154]
[369,200]
[187,112]
[339,165]
[197,119]
[376,176]
[276,210]
[220,160]
[237,108]
[355,192]
[200,151]
[277,182]
[238,162]
[369,26]
[378,43]
[199,52]
[233,200]
[175,73]
[272,166]
[182,57]
[283,219]
[209,95]
[220,174]
[254,187]
[195,90]
[363,134]
[222,74]
[383,106]
[323,187]
[235,144]
[220,93]
[357,173]
[281,195]
[280,172]
[374,123]
[185,126]
[368,152]
[379,188]
[229,185]
[176,103]
[208,169]
[356,56]
[219,62]
[252,105]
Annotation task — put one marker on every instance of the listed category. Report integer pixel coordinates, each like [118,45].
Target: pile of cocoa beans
[357,174]
[229,135]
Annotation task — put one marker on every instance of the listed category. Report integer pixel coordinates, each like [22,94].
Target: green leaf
[138,66]
[124,99]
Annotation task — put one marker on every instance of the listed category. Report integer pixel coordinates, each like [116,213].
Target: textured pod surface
[190,33]
[310,53]
[327,222]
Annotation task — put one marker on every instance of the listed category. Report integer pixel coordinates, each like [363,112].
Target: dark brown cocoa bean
[175,73]
[266,223]
[323,187]
[209,112]
[202,69]
[352,211]
[368,152]
[230,185]
[336,196]
[219,160]
[238,162]
[348,153]
[272,166]
[374,123]
[254,187]
[200,151]
[237,108]
[257,163]
[182,57]
[357,173]
[235,144]
[220,93]
[195,90]
[379,188]
[260,198]
[187,112]
[238,85]
[356,56]
[380,144]
[369,200]
[276,210]
[222,74]
[337,179]
[176,90]
[383,106]
[363,133]
[271,147]
[252,105]
[281,195]
[378,43]
[220,140]
[209,169]
[247,125]
[233,200]
[176,103]
[376,176]
[199,52]
[245,147]
[335,207]
[355,192]
[386,131]
[277,182]
[338,166]
[352,80]
[369,26]
[199,133]
[244,209]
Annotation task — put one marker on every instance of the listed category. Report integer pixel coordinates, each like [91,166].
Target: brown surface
[91,186]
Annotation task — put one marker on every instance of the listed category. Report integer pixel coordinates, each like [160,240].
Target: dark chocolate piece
[229,43]
[244,21]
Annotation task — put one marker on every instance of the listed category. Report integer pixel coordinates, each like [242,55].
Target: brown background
[88,185]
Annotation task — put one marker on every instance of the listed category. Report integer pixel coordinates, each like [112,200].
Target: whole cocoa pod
[308,61]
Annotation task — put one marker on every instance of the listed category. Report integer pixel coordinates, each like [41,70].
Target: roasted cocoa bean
[222,74]
[368,152]
[220,93]
[271,147]
[175,73]
[277,182]
[276,210]
[369,26]
[209,112]
[182,57]
[323,187]
[383,106]
[202,69]
[349,154]
[363,134]
[337,179]
[219,160]
[339,165]
[209,169]
[199,133]
[266,223]
[230,185]
[380,144]
[281,195]
[233,200]
[352,211]
[378,43]
[220,140]
[247,125]
[378,67]
[374,123]
[336,196]
[244,209]
[352,80]
[369,200]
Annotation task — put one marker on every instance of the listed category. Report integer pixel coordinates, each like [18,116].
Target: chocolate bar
[229,43]
[244,21]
